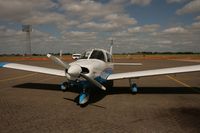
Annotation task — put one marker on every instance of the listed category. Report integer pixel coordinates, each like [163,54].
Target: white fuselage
[96,67]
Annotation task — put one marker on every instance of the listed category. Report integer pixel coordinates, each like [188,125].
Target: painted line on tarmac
[182,83]
[19,77]
[178,81]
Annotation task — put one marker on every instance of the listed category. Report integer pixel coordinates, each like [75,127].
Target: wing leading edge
[155,72]
[34,69]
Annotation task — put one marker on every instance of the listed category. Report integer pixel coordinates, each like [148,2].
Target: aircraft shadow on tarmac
[97,94]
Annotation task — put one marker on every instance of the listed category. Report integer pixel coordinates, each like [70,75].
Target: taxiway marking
[182,83]
[178,81]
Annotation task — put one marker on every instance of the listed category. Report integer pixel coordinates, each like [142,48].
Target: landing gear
[133,87]
[64,86]
[83,97]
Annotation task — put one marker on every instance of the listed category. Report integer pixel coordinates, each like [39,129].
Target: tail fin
[111,47]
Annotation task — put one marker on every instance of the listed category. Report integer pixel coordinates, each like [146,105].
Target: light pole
[27,29]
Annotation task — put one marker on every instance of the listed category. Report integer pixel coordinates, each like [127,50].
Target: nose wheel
[84,97]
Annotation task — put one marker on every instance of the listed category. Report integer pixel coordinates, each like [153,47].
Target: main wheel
[134,88]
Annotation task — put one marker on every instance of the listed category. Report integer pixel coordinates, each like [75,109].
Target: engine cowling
[74,71]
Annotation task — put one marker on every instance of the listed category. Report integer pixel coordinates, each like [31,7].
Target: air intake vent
[84,70]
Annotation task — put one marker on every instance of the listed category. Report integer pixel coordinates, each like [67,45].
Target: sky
[74,26]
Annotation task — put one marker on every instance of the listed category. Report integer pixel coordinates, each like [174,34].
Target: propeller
[75,71]
[58,61]
[94,82]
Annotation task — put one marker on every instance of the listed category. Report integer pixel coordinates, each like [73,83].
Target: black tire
[66,84]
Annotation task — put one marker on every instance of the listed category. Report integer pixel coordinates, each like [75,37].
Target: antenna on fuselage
[111,46]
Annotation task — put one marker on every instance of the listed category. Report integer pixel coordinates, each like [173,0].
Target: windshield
[96,54]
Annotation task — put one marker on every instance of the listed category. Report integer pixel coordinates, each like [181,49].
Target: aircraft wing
[33,69]
[155,72]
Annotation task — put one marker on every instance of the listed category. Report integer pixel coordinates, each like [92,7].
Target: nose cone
[74,70]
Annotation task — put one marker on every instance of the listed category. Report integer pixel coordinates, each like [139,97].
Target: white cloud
[97,16]
[165,42]
[197,18]
[5,32]
[57,19]
[191,7]
[120,19]
[73,35]
[175,1]
[187,42]
[141,2]
[90,9]
[171,39]
[44,18]
[175,30]
[111,22]
[196,25]
[178,38]
[120,34]
[87,24]
[99,26]
[86,13]
[14,41]
[145,28]
[17,10]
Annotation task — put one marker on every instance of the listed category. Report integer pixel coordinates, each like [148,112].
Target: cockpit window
[96,54]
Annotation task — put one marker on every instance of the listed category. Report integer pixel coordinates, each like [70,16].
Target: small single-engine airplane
[95,69]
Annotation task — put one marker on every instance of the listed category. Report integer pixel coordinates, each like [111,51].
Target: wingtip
[2,64]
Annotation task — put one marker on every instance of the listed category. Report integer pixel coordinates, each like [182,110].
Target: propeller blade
[58,61]
[93,82]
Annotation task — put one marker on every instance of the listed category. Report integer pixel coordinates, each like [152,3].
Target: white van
[76,56]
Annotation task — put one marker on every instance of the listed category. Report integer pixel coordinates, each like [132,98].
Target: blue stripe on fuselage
[104,75]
